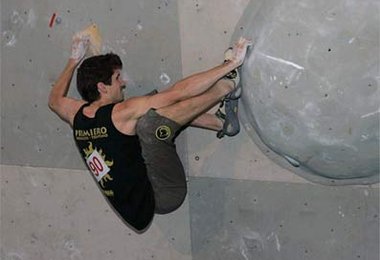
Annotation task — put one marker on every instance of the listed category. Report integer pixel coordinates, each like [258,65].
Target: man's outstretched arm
[188,87]
[63,106]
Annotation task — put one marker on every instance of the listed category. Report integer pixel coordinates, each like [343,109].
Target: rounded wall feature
[311,86]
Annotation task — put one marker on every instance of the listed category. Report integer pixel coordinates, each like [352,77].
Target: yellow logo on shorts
[163,132]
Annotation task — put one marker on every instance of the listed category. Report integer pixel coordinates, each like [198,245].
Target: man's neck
[101,102]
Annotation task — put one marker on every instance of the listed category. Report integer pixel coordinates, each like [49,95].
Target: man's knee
[170,201]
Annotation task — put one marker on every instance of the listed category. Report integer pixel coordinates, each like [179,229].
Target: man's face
[117,86]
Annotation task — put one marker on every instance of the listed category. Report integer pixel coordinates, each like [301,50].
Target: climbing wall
[36,42]
[312,81]
[241,205]
[50,205]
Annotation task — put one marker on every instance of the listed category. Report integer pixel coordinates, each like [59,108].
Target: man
[128,145]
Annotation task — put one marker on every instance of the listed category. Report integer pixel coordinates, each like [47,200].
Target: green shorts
[165,171]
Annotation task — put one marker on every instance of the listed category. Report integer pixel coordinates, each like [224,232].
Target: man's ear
[101,87]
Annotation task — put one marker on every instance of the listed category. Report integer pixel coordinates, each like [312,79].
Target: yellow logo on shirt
[163,132]
[93,133]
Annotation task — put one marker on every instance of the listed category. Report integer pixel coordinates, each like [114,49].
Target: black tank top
[117,165]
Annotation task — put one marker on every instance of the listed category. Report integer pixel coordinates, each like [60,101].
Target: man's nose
[124,78]
[123,82]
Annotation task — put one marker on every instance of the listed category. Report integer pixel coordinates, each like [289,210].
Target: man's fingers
[80,44]
[80,36]
[243,42]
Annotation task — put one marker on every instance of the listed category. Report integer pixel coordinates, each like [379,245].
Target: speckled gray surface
[59,214]
[144,33]
[253,220]
[311,85]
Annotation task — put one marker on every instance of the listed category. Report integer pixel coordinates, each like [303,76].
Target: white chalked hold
[165,78]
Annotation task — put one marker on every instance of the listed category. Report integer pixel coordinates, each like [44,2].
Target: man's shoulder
[123,116]
[67,108]
[129,106]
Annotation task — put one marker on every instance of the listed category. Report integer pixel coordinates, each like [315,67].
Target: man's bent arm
[63,106]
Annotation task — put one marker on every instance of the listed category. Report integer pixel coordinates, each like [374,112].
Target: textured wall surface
[239,219]
[58,213]
[311,85]
[239,199]
[144,33]
[55,213]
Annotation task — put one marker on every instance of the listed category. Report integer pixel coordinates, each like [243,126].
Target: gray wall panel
[144,33]
[236,219]
[60,214]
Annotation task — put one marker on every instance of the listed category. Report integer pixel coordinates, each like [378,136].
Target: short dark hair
[94,70]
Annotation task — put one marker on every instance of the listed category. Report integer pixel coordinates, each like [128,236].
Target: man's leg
[225,121]
[187,110]
[157,130]
[208,121]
